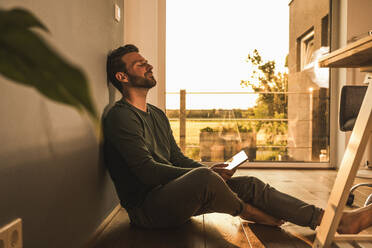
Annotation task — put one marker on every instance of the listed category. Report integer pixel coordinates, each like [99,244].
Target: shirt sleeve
[125,131]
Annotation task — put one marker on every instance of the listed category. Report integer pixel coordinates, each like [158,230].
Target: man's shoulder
[119,107]
[120,110]
[156,109]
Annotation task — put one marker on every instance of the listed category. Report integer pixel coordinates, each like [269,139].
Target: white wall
[144,26]
[338,79]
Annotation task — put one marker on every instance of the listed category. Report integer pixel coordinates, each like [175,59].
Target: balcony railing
[228,134]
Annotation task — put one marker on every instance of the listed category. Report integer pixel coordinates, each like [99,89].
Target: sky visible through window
[208,42]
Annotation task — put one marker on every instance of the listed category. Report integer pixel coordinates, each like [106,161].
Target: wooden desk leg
[346,174]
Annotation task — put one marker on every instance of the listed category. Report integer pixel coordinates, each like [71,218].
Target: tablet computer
[236,160]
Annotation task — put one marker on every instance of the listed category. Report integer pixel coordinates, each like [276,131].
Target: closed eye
[141,63]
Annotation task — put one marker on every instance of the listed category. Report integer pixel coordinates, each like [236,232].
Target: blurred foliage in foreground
[26,58]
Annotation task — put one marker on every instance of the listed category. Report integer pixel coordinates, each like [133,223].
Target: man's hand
[224,173]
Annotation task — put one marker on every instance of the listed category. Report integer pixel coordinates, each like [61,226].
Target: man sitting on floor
[159,186]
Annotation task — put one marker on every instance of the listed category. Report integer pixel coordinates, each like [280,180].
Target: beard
[142,82]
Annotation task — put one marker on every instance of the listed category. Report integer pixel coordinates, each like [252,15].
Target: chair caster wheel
[350,200]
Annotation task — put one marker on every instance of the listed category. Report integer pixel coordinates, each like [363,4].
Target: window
[279,115]
[307,49]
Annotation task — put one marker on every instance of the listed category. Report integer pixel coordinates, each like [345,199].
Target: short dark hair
[116,64]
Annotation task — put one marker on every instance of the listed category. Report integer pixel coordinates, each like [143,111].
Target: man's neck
[137,97]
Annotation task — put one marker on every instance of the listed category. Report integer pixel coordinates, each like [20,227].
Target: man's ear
[122,77]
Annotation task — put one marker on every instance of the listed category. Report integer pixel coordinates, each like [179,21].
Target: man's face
[139,71]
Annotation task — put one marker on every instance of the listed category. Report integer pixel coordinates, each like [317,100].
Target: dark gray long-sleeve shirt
[140,151]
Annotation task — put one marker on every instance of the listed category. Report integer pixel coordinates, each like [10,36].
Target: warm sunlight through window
[229,84]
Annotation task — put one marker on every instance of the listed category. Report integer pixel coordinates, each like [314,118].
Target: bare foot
[353,222]
[349,223]
[251,213]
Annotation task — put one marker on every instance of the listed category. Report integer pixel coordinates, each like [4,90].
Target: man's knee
[206,176]
[256,181]
[203,173]
[207,185]
[247,181]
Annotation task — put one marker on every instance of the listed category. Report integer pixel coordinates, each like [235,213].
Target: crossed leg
[203,191]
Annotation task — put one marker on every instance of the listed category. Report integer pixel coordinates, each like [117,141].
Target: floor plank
[345,244]
[121,235]
[275,237]
[365,244]
[254,241]
[225,231]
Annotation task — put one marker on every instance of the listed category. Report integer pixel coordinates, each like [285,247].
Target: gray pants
[203,191]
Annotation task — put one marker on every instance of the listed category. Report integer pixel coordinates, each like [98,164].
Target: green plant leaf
[27,59]
[19,18]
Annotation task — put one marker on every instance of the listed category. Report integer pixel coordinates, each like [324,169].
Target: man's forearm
[154,173]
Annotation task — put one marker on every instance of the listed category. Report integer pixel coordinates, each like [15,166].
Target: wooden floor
[222,230]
